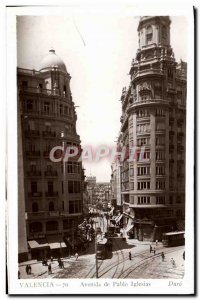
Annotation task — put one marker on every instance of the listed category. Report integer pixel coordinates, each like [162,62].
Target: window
[164,32]
[160,140]
[50,187]
[73,167]
[144,200]
[75,206]
[160,112]
[143,185]
[160,126]
[30,105]
[35,227]
[33,187]
[160,155]
[51,206]
[149,35]
[160,170]
[143,171]
[46,107]
[63,205]
[74,187]
[160,200]
[35,207]
[143,141]
[160,185]
[143,128]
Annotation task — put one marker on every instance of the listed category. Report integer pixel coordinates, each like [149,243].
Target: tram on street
[175,238]
[104,247]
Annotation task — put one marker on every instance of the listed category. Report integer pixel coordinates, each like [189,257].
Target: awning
[57,245]
[129,228]
[34,245]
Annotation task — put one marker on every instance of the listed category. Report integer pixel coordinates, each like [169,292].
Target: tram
[175,238]
[104,247]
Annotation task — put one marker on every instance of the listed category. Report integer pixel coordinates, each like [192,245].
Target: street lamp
[96,259]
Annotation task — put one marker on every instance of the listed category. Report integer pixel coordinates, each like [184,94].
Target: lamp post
[96,259]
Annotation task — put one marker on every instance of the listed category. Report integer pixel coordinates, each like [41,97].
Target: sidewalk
[37,268]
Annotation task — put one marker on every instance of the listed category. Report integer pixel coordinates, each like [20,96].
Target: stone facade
[154,119]
[53,190]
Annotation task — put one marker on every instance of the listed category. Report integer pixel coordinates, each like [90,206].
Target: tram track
[142,262]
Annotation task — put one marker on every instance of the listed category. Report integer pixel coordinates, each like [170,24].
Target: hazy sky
[97,51]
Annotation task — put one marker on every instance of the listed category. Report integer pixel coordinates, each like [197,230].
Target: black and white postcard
[100,131]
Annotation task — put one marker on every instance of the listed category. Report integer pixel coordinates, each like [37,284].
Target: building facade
[154,122]
[53,190]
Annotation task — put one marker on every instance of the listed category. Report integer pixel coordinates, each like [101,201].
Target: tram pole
[96,259]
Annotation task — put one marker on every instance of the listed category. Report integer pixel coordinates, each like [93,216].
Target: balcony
[51,194]
[34,173]
[35,194]
[33,153]
[32,133]
[51,173]
[49,134]
[43,214]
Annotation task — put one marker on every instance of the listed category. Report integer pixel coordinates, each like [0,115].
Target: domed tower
[53,191]
[154,122]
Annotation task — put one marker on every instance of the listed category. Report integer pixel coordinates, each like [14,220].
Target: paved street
[117,266]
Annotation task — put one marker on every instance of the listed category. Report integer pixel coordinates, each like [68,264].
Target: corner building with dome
[154,118]
[53,191]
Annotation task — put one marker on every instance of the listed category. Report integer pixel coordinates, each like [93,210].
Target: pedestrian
[129,255]
[163,256]
[154,250]
[51,258]
[18,274]
[184,255]
[150,249]
[27,269]
[76,256]
[49,269]
[173,263]
[156,242]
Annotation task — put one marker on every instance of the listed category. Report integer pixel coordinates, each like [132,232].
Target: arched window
[51,206]
[149,34]
[35,207]
[164,32]
[35,227]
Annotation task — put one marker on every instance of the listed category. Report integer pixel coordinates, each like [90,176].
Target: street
[143,264]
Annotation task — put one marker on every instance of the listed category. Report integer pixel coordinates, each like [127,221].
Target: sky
[97,51]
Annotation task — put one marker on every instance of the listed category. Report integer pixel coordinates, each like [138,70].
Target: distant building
[53,191]
[154,118]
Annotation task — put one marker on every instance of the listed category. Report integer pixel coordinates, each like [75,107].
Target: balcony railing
[43,214]
[51,194]
[51,173]
[33,153]
[34,173]
[35,194]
